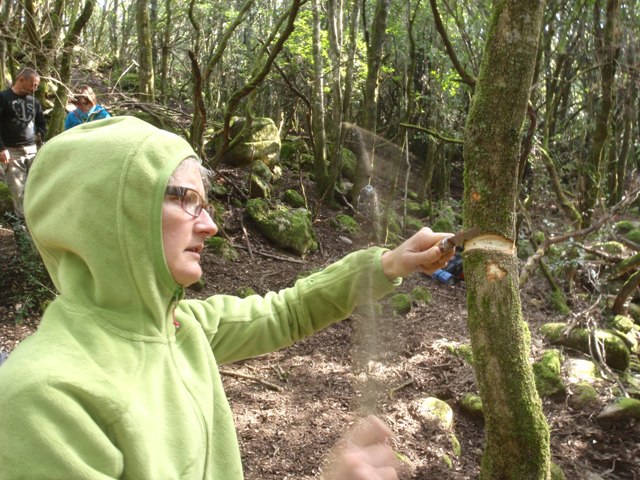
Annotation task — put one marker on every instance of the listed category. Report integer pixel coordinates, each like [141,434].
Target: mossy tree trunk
[517,435]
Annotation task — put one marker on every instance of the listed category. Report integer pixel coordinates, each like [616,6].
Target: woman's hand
[420,252]
[363,454]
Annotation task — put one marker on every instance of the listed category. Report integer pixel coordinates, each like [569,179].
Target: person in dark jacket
[21,122]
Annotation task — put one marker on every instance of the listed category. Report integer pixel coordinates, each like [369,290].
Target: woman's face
[183,235]
[84,104]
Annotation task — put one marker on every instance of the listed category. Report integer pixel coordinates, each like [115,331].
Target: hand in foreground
[4,156]
[420,252]
[363,454]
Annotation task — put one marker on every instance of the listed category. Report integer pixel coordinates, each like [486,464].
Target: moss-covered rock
[621,409]
[623,226]
[548,375]
[581,395]
[610,247]
[218,189]
[581,370]
[616,352]
[345,224]
[289,229]
[433,413]
[259,187]
[221,246]
[293,199]
[634,235]
[291,151]
[471,405]
[257,141]
[622,323]
[401,303]
[463,351]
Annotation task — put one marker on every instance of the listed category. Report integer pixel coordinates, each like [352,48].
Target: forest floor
[294,404]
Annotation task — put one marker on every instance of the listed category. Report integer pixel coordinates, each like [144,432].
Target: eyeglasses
[190,200]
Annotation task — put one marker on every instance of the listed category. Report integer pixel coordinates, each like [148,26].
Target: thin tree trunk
[609,52]
[517,436]
[145,52]
[56,122]
[317,116]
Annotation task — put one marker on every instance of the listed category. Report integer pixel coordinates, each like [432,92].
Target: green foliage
[412,224]
[419,209]
[28,281]
[446,218]
[6,202]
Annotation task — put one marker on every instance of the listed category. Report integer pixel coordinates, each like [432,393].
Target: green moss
[418,209]
[348,165]
[471,404]
[290,229]
[442,225]
[611,247]
[617,355]
[412,224]
[346,224]
[294,199]
[547,374]
[539,237]
[244,292]
[455,445]
[556,472]
[401,304]
[198,286]
[623,226]
[559,302]
[462,351]
[582,394]
[221,246]
[634,235]
[421,294]
[622,323]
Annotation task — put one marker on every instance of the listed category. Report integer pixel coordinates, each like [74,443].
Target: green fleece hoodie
[108,386]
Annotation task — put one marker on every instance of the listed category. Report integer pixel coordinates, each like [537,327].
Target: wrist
[388,263]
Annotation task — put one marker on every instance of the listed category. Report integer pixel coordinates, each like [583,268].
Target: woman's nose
[206,224]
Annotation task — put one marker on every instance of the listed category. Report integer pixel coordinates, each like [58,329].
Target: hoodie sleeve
[243,328]
[51,434]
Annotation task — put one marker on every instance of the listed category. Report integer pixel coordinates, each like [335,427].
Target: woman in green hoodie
[121,378]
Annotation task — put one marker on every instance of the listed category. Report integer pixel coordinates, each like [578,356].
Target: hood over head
[93,205]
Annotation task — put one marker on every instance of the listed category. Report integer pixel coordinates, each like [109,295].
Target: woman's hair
[189,162]
[85,91]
